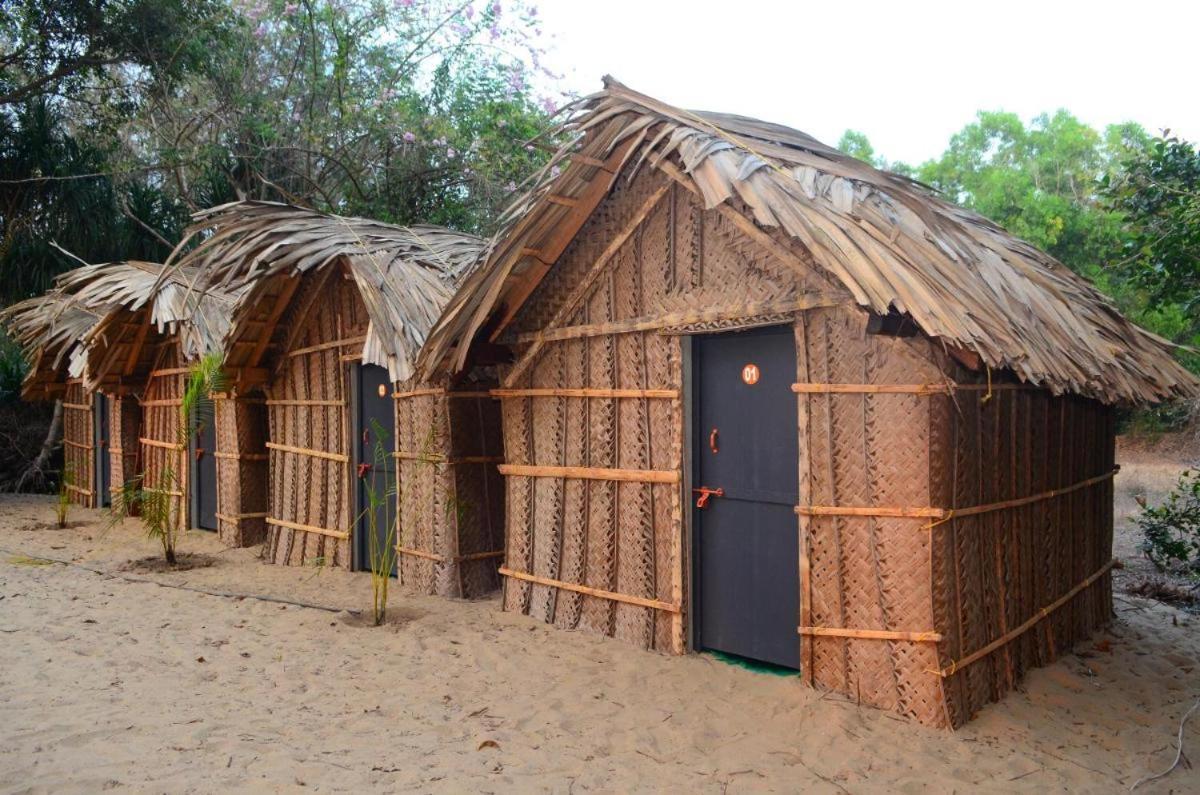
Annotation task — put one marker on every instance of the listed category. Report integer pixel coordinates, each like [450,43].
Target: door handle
[712,440]
[705,493]
[363,469]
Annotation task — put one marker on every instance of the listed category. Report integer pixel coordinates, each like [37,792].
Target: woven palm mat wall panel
[79,445]
[164,456]
[125,428]
[241,434]
[309,490]
[622,537]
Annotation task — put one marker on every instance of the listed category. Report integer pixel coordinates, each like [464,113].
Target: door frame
[691,441]
[358,555]
[100,417]
[193,473]
[353,373]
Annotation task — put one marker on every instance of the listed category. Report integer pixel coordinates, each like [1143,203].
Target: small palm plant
[381,548]
[161,514]
[63,506]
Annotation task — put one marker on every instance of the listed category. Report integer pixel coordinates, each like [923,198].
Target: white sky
[908,73]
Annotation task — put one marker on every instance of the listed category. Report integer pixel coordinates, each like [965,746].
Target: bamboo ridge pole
[1008,637]
[597,592]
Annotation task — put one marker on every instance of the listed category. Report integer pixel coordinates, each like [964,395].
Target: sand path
[112,684]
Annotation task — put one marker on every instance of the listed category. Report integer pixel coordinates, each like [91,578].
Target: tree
[68,47]
[404,111]
[1158,194]
[1039,182]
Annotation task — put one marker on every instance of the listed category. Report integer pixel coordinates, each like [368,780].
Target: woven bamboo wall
[868,572]
[164,459]
[241,436]
[125,429]
[623,538]
[311,501]
[996,571]
[79,444]
[450,494]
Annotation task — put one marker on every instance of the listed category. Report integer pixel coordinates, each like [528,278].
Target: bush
[1172,530]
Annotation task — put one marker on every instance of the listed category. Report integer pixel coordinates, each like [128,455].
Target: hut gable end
[687,266]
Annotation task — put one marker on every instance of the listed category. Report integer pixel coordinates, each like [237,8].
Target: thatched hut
[334,312]
[48,329]
[118,339]
[771,401]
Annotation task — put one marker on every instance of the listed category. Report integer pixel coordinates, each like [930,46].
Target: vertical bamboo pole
[804,497]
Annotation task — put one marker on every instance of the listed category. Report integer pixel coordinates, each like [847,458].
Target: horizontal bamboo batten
[324,346]
[306,402]
[163,445]
[234,517]
[420,553]
[436,458]
[77,406]
[439,392]
[162,402]
[168,492]
[79,445]
[308,528]
[948,388]
[597,592]
[169,371]
[77,489]
[872,634]
[587,393]
[287,448]
[591,473]
[1041,615]
[241,456]
[674,320]
[945,514]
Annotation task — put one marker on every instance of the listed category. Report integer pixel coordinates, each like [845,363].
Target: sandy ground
[110,684]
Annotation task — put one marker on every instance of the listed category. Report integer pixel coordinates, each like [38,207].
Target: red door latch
[705,492]
[363,469]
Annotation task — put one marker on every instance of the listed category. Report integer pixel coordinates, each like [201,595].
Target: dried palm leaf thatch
[48,329]
[405,274]
[892,243]
[129,295]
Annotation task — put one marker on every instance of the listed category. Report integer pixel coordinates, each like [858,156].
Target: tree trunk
[36,471]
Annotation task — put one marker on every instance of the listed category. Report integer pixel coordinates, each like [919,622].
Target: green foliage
[62,505]
[1171,531]
[12,369]
[381,552]
[1038,181]
[857,144]
[1158,192]
[118,119]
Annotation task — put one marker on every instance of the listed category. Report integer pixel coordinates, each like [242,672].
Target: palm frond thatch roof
[70,330]
[892,244]
[48,329]
[200,318]
[405,274]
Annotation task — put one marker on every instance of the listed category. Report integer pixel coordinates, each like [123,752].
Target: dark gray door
[204,479]
[103,455]
[746,541]
[375,434]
